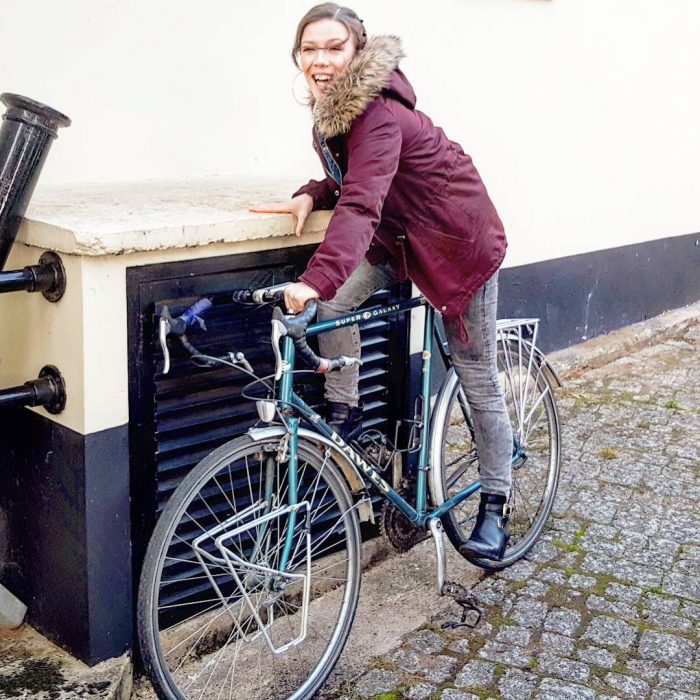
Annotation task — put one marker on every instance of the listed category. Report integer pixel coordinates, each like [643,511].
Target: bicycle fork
[466,599]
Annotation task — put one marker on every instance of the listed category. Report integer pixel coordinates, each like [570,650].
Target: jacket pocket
[439,263]
[449,247]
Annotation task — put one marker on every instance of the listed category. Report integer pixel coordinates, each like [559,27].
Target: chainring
[397,528]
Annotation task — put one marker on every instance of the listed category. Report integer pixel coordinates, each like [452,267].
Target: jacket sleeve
[374,148]
[322,192]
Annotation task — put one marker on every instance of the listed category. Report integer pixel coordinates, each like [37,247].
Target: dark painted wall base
[65,544]
[582,296]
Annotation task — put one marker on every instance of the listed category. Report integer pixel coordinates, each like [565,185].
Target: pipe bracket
[51,389]
[53,266]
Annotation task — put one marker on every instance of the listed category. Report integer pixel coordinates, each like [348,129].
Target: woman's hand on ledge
[300,206]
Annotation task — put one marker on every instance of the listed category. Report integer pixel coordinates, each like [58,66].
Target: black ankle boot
[345,420]
[490,535]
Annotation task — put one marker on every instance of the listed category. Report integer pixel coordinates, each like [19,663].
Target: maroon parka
[399,188]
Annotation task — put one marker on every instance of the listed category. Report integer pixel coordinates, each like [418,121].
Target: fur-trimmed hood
[373,69]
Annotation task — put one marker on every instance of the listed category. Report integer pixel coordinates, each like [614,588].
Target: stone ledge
[120,218]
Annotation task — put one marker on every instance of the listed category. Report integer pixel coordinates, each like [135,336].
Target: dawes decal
[359,462]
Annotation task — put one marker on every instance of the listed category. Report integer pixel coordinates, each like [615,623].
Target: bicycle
[265,529]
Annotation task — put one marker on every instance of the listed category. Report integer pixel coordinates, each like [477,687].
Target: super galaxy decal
[367,315]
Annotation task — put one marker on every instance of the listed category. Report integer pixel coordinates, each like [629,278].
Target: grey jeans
[474,362]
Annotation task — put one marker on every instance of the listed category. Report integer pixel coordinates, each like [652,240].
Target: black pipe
[49,390]
[24,395]
[48,277]
[27,131]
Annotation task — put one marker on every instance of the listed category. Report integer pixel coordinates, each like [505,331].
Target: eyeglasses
[311,52]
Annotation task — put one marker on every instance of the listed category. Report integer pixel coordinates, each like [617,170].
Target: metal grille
[177,419]
[196,410]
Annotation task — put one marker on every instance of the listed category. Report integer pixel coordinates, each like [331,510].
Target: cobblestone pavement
[607,605]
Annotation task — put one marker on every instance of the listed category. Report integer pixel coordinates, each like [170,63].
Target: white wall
[581,115]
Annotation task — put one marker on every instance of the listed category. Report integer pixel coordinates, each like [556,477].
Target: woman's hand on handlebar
[296,296]
[300,206]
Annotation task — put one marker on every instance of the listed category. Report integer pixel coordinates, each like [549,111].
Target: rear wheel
[220,615]
[536,450]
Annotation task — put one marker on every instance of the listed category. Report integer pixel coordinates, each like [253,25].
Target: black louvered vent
[196,410]
[177,419]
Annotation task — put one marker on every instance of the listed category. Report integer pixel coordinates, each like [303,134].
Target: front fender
[350,472]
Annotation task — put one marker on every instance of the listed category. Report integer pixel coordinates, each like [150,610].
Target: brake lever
[278,331]
[165,326]
[177,326]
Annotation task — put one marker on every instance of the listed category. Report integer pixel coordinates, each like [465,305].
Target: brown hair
[329,10]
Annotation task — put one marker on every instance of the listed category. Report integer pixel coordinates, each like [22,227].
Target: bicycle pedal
[467,600]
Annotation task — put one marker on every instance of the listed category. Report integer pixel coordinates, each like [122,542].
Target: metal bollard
[28,129]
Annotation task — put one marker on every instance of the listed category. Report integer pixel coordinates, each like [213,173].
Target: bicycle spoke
[215,641]
[213,668]
[516,487]
[202,632]
[457,474]
[531,409]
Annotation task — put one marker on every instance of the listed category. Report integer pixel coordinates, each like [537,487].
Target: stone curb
[125,685]
[119,673]
[603,349]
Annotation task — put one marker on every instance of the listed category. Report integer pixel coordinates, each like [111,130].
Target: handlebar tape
[296,330]
[191,315]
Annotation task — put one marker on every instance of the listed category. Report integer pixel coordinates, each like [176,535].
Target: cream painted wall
[581,116]
[84,334]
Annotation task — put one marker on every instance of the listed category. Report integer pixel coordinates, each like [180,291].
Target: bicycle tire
[192,648]
[532,408]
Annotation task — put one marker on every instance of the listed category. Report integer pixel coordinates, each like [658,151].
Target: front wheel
[229,605]
[536,450]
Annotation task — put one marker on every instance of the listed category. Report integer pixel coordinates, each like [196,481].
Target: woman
[407,203]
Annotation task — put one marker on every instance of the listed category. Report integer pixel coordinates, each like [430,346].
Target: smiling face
[326,49]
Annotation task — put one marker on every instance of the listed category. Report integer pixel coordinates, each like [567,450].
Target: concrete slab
[152,215]
[611,346]
[33,667]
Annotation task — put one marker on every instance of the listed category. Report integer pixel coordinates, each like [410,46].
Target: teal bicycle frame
[286,397]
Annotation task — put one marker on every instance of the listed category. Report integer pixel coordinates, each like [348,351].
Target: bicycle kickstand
[466,599]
